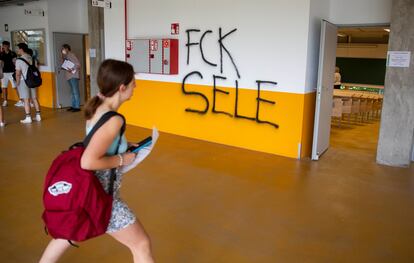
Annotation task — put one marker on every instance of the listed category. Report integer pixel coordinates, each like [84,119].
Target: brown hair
[66,46]
[111,74]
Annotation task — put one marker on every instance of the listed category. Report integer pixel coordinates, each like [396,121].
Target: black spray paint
[195,93]
[259,99]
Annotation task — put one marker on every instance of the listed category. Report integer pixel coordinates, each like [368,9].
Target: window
[35,39]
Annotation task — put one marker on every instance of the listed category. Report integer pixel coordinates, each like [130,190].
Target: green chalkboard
[362,70]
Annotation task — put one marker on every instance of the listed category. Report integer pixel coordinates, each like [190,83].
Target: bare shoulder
[116,120]
[114,124]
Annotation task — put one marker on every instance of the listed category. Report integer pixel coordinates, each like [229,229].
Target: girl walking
[116,84]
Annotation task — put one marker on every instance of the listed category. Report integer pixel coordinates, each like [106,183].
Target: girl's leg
[54,250]
[135,238]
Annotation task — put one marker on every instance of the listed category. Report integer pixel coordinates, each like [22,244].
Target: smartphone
[145,142]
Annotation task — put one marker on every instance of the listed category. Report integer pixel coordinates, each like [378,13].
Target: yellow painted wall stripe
[45,92]
[162,104]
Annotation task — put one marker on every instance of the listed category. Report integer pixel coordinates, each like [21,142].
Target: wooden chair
[337,109]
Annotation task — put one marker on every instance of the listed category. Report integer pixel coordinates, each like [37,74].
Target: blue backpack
[33,78]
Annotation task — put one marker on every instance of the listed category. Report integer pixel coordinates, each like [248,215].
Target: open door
[326,70]
[77,44]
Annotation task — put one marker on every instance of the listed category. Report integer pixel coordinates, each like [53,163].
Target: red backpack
[76,206]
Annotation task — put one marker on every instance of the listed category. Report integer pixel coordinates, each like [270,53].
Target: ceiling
[14,2]
[370,35]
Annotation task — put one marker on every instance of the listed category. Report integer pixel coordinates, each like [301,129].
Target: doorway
[357,102]
[353,108]
[63,91]
[349,115]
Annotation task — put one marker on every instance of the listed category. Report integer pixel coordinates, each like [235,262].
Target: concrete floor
[205,202]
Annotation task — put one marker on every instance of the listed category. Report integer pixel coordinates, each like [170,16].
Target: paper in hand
[142,153]
[68,65]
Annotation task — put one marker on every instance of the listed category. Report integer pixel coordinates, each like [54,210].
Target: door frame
[339,26]
[55,67]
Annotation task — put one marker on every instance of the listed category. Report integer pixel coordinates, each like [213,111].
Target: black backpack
[33,78]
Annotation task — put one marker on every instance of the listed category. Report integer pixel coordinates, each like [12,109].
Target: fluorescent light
[387,29]
[341,35]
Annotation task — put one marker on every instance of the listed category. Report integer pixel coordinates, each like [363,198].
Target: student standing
[116,84]
[337,79]
[72,76]
[25,92]
[8,57]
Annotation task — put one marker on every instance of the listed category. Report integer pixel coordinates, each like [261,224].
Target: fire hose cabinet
[154,56]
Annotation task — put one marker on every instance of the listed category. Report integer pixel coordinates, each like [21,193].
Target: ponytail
[91,107]
[111,74]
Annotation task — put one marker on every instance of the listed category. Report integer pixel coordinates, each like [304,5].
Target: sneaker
[37,117]
[4,103]
[2,124]
[28,119]
[19,104]
[75,110]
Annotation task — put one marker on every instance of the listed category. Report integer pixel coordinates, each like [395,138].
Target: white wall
[115,31]
[353,12]
[319,9]
[16,19]
[66,17]
[270,42]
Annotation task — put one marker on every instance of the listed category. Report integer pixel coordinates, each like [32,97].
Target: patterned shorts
[121,215]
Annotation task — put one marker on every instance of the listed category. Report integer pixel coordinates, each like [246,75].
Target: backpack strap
[24,61]
[101,122]
[33,61]
[88,138]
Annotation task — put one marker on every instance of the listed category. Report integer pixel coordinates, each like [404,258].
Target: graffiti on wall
[224,51]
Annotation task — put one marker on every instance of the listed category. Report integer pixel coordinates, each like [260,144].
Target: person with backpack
[72,76]
[105,151]
[26,93]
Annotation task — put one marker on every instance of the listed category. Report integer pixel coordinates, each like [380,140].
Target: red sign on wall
[175,29]
[165,43]
[129,45]
[153,45]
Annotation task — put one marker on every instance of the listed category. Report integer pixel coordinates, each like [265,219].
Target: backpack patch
[59,188]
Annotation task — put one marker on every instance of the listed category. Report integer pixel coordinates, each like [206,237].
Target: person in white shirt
[337,84]
[25,92]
